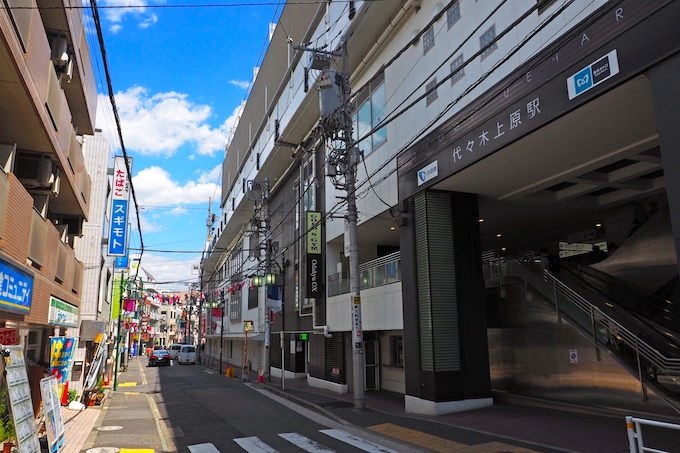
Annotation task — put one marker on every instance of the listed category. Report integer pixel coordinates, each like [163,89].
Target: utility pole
[267,263]
[336,125]
[350,161]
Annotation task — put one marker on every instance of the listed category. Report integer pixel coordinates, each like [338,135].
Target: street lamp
[132,286]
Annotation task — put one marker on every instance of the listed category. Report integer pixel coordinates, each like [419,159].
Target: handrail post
[639,364]
[630,429]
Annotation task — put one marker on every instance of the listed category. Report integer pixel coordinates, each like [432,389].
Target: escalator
[624,349]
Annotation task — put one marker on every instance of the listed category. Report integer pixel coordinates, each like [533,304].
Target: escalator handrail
[665,364]
[651,321]
[644,297]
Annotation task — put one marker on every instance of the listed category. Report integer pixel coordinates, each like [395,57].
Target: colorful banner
[61,357]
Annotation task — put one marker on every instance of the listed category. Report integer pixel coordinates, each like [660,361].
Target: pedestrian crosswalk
[256,445]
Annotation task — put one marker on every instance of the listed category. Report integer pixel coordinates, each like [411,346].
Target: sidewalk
[77,426]
[538,427]
[504,427]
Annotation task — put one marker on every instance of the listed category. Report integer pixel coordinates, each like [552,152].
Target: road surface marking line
[418,438]
[127,384]
[254,445]
[361,444]
[203,448]
[306,443]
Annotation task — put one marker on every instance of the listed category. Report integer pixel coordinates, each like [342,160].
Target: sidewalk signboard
[54,422]
[20,401]
[98,360]
[61,359]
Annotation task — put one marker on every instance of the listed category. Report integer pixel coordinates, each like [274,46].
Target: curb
[306,404]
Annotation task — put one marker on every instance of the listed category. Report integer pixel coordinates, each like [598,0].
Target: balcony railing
[378,272]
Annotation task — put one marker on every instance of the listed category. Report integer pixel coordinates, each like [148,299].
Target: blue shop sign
[16,288]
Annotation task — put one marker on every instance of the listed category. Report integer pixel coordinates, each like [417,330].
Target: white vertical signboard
[20,401]
[120,198]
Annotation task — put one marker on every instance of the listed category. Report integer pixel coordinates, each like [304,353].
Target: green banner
[116,301]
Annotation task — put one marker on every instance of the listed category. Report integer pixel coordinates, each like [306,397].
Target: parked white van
[174,350]
[187,354]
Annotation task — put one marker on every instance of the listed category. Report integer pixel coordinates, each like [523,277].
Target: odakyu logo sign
[427,173]
[593,74]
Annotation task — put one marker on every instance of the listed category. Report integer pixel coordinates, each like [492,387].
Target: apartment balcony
[49,97]
[381,298]
[36,246]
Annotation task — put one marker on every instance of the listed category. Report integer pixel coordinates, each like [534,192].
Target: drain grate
[103,450]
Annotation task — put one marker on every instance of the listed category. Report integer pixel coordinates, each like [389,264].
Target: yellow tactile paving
[137,450]
[417,438]
[127,384]
[131,393]
[443,445]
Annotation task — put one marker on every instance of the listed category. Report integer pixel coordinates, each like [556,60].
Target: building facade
[486,132]
[48,102]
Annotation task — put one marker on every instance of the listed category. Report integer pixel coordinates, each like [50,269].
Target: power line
[102,48]
[185,6]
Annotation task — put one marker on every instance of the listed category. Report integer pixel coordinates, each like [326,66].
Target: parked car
[187,354]
[159,357]
[174,350]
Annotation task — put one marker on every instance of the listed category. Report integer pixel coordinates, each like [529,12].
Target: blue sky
[180,76]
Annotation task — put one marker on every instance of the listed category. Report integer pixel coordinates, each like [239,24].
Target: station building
[517,198]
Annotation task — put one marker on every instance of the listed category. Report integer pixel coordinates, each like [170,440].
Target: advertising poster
[54,422]
[61,357]
[20,401]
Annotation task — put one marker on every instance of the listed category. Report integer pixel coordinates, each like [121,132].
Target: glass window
[457,71]
[428,40]
[370,111]
[378,104]
[453,14]
[486,39]
[431,91]
[397,350]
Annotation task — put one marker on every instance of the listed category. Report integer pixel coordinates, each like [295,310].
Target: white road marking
[306,443]
[355,441]
[254,445]
[203,448]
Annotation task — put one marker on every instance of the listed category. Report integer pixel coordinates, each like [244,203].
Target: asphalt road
[200,406]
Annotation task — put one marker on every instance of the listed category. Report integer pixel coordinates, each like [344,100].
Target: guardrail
[381,271]
[634,429]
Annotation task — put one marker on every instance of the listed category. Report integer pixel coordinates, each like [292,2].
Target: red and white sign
[9,336]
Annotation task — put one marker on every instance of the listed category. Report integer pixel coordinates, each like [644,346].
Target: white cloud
[116,9]
[115,28]
[160,124]
[154,187]
[152,19]
[212,175]
[148,226]
[240,83]
[175,272]
[179,210]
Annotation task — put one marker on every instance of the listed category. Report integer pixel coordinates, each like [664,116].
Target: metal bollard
[630,429]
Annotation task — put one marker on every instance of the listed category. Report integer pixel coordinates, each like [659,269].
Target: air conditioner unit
[36,171]
[60,55]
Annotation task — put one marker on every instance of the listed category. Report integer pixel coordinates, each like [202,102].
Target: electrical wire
[102,48]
